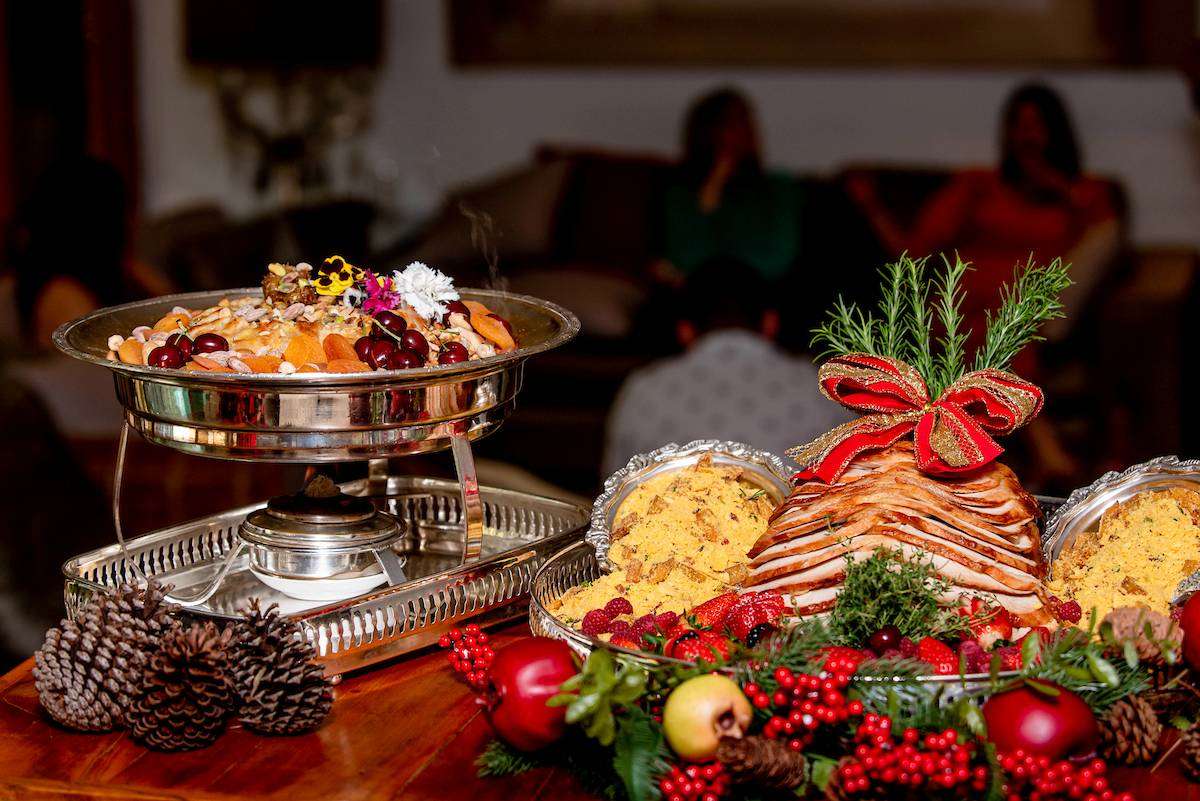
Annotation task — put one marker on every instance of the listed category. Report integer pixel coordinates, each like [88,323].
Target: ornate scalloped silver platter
[765,470]
[1083,508]
[317,417]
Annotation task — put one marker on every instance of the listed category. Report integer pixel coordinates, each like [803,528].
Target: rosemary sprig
[949,364]
[918,318]
[1031,300]
[847,331]
[891,306]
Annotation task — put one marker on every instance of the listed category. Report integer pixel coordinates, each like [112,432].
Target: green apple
[702,710]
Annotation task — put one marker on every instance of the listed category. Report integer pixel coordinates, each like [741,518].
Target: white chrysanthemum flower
[425,289]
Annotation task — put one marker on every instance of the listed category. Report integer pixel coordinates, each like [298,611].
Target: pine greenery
[920,319]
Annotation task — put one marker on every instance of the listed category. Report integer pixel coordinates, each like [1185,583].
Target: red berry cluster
[469,654]
[804,702]
[706,782]
[937,762]
[1035,776]
[1068,612]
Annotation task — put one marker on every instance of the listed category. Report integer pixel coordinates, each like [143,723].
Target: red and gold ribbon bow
[952,434]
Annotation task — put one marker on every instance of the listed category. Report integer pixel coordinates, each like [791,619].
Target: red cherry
[381,351]
[209,343]
[453,307]
[403,359]
[507,325]
[1189,623]
[362,346]
[166,356]
[182,342]
[453,353]
[415,341]
[885,639]
[1054,725]
[524,676]
[390,322]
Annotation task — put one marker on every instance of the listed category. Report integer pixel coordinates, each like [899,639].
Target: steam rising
[483,239]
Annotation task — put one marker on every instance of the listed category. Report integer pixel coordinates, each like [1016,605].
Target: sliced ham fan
[980,531]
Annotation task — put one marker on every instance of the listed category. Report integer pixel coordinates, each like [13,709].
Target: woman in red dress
[1037,204]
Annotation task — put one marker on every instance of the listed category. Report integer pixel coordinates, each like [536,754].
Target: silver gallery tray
[316,417]
[520,533]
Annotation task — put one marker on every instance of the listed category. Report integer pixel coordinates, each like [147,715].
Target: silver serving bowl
[316,417]
[764,470]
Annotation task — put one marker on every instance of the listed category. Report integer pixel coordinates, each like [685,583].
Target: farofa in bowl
[679,539]
[1140,552]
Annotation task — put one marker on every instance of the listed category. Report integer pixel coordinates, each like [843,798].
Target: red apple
[1058,726]
[1189,623]
[524,676]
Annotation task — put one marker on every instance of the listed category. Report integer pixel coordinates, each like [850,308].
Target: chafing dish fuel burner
[321,544]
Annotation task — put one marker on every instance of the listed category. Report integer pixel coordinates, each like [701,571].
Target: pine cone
[1133,622]
[1190,760]
[768,763]
[186,693]
[1129,732]
[279,687]
[88,669]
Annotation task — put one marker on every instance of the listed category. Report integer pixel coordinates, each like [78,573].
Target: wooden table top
[408,729]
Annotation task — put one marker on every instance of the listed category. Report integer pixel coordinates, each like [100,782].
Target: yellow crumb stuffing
[1141,551]
[679,539]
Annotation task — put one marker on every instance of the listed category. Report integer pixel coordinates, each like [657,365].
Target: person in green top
[721,205]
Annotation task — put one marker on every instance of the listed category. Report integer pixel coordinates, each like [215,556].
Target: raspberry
[1010,657]
[1065,611]
[666,620]
[644,625]
[908,647]
[595,622]
[620,627]
[974,655]
[618,606]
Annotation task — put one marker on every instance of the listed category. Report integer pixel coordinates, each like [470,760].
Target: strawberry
[595,622]
[752,610]
[939,655]
[694,646]
[711,614]
[626,641]
[619,606]
[988,623]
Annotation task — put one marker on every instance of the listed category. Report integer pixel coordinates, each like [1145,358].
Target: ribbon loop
[952,434]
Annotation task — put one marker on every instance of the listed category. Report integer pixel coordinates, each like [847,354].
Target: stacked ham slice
[981,532]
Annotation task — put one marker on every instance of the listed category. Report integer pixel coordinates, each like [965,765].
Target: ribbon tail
[948,440]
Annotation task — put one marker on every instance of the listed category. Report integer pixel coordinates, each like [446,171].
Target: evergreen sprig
[498,759]
[920,318]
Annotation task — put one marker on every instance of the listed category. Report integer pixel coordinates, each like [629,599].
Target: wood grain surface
[408,729]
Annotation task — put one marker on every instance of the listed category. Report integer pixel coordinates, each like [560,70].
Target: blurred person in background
[1036,203]
[722,206]
[731,383]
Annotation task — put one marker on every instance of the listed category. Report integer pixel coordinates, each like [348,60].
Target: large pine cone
[186,693]
[280,689]
[87,670]
[1129,732]
[1190,760]
[768,763]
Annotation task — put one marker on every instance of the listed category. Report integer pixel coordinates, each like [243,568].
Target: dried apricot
[347,365]
[338,347]
[130,352]
[492,329]
[263,364]
[304,349]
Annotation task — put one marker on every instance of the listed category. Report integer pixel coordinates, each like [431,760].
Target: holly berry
[414,340]
[522,679]
[470,654]
[704,782]
[910,764]
[402,359]
[886,639]
[209,343]
[166,356]
[453,353]
[390,322]
[1027,718]
[362,346]
[1029,775]
[181,341]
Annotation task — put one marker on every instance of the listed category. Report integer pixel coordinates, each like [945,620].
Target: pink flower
[380,295]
